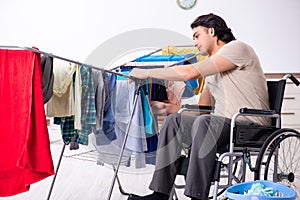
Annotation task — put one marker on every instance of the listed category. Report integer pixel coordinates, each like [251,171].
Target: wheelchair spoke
[281,162]
[289,158]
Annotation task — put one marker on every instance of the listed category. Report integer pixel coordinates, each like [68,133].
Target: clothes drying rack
[140,85]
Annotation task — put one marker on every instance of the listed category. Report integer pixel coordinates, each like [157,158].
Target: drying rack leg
[119,183]
[57,168]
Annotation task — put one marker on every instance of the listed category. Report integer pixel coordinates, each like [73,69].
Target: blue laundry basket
[236,192]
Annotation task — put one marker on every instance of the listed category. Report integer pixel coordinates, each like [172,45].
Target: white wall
[75,28]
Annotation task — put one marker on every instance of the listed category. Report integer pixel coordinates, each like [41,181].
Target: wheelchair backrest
[276,93]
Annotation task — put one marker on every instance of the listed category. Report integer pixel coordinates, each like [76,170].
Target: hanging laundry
[88,107]
[175,89]
[105,125]
[68,131]
[122,99]
[62,102]
[108,125]
[156,88]
[150,65]
[77,94]
[47,77]
[25,156]
[79,135]
[173,50]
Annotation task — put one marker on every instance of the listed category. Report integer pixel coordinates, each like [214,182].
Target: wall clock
[186,4]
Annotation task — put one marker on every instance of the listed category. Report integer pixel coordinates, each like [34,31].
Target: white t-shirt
[243,86]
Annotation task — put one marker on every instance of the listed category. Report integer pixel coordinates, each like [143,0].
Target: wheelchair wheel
[279,159]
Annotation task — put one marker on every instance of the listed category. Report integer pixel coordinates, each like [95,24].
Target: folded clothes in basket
[261,189]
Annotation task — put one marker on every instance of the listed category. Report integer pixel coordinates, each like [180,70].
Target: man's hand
[162,108]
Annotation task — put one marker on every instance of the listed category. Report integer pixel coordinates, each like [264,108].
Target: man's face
[203,39]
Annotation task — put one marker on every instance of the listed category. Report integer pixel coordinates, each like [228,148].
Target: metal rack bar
[65,59]
[158,50]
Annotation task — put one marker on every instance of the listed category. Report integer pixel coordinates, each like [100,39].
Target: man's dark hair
[213,21]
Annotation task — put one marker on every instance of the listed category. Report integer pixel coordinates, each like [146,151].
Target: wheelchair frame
[264,153]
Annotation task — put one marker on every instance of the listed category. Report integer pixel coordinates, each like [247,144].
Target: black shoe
[153,196]
[133,197]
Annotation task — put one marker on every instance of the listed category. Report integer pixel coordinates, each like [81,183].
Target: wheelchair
[268,152]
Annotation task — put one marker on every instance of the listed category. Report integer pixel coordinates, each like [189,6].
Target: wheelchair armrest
[257,111]
[196,108]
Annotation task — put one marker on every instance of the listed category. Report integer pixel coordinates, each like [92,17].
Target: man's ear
[211,31]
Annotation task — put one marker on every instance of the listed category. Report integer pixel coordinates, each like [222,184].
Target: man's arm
[205,98]
[214,64]
[162,108]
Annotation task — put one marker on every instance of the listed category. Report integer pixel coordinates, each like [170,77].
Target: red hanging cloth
[25,156]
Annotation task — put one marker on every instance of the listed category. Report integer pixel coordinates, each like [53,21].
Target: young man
[234,79]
